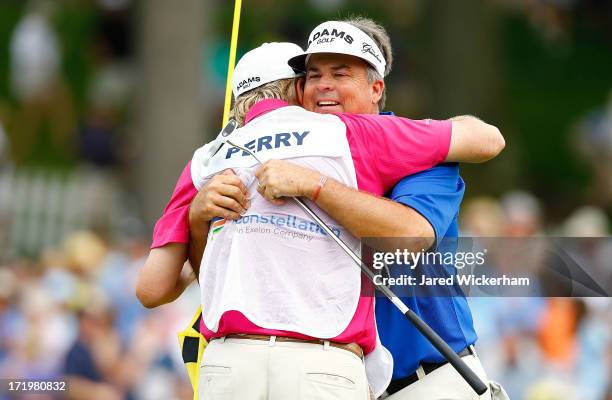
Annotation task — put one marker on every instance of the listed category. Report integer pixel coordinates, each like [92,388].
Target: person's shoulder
[297,111]
[450,169]
[383,119]
[359,120]
[445,173]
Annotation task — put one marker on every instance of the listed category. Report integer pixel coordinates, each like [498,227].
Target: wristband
[317,191]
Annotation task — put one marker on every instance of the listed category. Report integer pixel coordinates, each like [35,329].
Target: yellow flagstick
[232,61]
[191,337]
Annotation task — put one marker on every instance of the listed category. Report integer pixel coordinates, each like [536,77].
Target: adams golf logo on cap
[246,83]
[325,36]
[264,64]
[341,38]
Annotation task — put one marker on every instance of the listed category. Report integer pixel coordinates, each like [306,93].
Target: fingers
[225,201]
[234,193]
[230,185]
[261,189]
[233,180]
[260,172]
[233,196]
[270,194]
[224,213]
[224,196]
[265,181]
[236,181]
[229,204]
[278,202]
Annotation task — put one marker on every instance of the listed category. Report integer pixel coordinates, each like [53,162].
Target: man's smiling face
[337,83]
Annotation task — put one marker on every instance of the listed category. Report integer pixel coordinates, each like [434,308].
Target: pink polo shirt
[384,150]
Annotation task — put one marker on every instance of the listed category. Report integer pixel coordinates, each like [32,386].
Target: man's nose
[325,84]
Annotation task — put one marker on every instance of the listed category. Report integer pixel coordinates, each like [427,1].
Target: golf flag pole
[191,340]
[232,61]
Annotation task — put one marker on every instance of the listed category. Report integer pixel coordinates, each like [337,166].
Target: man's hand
[223,196]
[279,178]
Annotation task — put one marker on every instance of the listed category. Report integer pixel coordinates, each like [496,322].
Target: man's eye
[314,76]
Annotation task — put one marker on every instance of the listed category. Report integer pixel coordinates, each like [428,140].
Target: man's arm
[182,232]
[421,209]
[473,140]
[198,236]
[397,147]
[365,215]
[164,276]
[368,216]
[421,144]
[362,214]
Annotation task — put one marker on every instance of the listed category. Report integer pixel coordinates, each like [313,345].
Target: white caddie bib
[275,265]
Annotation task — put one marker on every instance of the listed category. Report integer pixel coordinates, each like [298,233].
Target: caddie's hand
[280,178]
[224,195]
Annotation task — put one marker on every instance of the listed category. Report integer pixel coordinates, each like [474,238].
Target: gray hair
[380,36]
[282,89]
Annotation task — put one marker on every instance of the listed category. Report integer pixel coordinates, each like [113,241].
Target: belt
[352,347]
[398,384]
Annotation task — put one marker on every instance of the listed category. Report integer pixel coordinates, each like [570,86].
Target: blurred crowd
[73,313]
[62,125]
[51,119]
[72,239]
[544,348]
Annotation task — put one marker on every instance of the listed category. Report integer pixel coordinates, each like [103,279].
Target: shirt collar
[263,107]
[266,105]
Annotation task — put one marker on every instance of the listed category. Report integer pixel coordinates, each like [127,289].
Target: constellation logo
[217,226]
[285,221]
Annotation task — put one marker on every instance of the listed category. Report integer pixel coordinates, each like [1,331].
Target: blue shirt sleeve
[435,193]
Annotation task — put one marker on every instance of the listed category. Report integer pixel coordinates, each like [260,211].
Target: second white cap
[264,64]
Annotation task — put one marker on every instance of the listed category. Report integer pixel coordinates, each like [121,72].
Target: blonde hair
[282,89]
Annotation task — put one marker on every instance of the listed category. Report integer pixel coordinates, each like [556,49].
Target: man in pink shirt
[375,177]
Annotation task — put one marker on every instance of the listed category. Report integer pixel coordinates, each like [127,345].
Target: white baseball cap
[341,38]
[264,64]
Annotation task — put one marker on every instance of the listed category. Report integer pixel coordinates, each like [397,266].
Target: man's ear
[378,87]
[299,89]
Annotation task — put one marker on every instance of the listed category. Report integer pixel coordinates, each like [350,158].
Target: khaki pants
[444,384]
[245,369]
